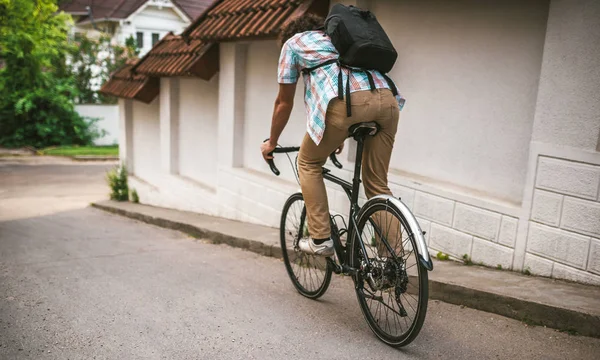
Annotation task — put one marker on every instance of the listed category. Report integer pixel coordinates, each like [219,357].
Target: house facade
[497,151]
[147,21]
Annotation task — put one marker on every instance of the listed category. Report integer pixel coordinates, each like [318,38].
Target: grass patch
[112,150]
[467,260]
[569,331]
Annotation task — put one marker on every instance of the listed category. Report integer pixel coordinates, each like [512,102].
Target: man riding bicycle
[305,46]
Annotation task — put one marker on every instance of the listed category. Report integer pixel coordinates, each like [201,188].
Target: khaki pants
[379,106]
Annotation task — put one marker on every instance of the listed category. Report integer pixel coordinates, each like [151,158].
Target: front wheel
[310,274]
[391,284]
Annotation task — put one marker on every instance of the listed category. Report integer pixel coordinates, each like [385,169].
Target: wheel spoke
[308,274]
[392,310]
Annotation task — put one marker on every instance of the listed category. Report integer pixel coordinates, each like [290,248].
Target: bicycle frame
[352,191]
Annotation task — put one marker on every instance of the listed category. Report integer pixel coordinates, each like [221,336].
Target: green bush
[134,197]
[467,260]
[117,181]
[441,256]
[37,88]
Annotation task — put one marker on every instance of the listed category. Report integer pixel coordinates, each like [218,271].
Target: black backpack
[362,44]
[360,39]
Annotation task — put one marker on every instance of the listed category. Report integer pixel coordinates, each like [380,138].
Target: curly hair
[300,24]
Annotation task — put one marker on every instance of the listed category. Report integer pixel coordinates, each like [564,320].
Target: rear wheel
[391,284]
[310,274]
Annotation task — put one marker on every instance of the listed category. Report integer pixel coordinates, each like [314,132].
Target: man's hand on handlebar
[267,149]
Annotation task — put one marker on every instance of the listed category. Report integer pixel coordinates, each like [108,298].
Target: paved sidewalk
[535,300]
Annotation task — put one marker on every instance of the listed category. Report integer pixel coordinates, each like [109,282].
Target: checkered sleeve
[288,70]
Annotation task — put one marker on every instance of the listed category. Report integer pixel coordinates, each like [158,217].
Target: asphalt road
[78,283]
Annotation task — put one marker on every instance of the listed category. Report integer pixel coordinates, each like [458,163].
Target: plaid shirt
[309,49]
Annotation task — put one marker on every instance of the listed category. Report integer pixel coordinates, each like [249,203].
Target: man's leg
[312,158]
[378,148]
[376,162]
[310,163]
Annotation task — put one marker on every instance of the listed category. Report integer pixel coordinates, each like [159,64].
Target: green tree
[93,60]
[37,91]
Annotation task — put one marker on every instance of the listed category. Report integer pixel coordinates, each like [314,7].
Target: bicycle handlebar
[280,150]
[289,149]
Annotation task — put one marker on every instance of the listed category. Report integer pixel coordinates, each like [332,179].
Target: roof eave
[86,22]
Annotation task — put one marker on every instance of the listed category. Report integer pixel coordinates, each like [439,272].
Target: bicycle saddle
[363,129]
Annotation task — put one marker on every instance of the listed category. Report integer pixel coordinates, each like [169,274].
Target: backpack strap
[371,81]
[390,84]
[340,84]
[311,69]
[348,102]
[389,81]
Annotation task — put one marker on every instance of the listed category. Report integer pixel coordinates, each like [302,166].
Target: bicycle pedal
[334,266]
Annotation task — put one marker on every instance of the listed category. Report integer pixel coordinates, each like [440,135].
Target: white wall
[108,116]
[151,20]
[198,121]
[469,70]
[564,229]
[560,234]
[470,73]
[146,140]
[568,109]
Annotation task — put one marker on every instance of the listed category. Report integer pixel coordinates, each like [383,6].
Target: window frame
[139,35]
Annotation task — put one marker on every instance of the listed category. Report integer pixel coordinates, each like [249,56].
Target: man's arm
[281,114]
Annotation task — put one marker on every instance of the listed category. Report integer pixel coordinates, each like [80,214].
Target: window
[155,38]
[139,37]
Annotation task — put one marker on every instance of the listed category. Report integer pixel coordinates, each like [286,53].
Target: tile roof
[172,56]
[195,52]
[123,83]
[101,9]
[193,8]
[237,19]
[122,9]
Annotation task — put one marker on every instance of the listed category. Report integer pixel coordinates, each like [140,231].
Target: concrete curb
[215,237]
[94,158]
[530,312]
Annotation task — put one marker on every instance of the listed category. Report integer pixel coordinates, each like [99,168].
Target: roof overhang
[124,83]
[232,20]
[172,56]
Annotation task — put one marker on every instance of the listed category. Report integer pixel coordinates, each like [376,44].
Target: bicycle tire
[310,265]
[361,278]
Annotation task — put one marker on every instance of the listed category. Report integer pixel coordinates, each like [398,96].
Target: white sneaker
[308,246]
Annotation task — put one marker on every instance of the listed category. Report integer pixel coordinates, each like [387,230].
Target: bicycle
[380,272]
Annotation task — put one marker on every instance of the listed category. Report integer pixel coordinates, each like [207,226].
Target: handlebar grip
[335,161]
[274,168]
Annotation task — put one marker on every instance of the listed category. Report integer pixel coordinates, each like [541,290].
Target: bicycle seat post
[359,132]
[360,140]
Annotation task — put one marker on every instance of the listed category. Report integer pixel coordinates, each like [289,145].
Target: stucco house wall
[496,148]
[562,237]
[151,20]
[107,119]
[470,72]
[146,140]
[198,131]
